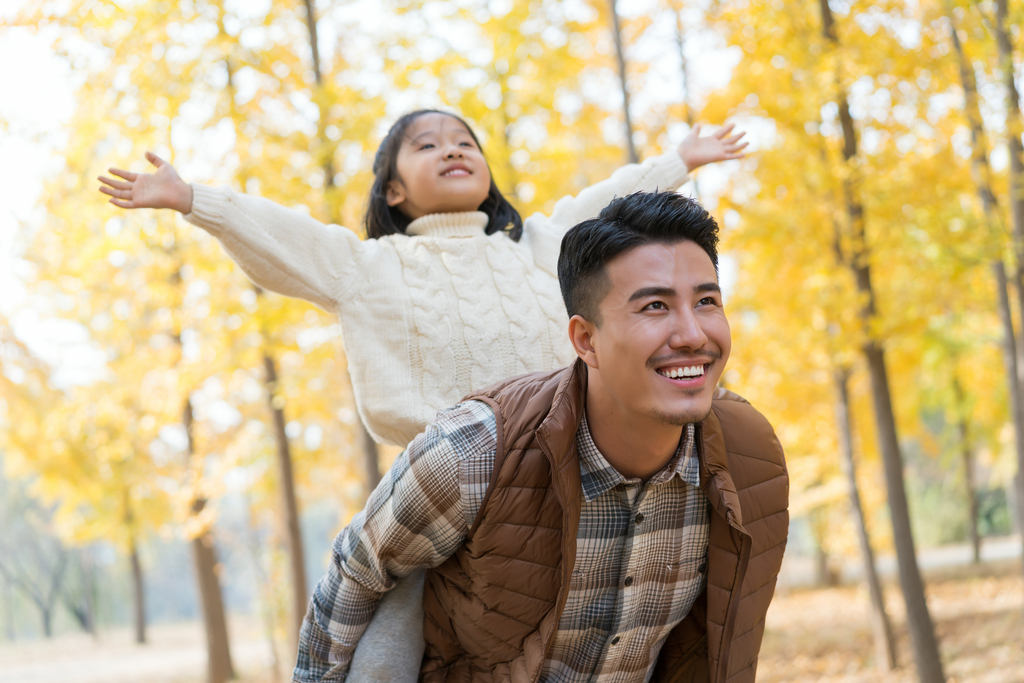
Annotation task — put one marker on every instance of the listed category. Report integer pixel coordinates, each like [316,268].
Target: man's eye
[656,305]
[708,301]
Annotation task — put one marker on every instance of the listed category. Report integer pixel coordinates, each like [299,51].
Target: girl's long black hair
[382,219]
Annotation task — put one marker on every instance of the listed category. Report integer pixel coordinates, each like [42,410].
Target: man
[618,520]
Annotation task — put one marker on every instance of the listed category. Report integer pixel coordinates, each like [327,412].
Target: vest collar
[465,224]
[558,429]
[715,479]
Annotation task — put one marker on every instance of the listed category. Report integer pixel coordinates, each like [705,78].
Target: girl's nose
[453,151]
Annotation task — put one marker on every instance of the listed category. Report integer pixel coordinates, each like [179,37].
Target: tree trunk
[138,593]
[982,173]
[621,55]
[371,466]
[885,642]
[218,647]
[1016,151]
[255,548]
[826,575]
[1012,368]
[972,496]
[963,433]
[293,531]
[89,591]
[919,622]
[79,602]
[683,64]
[46,612]
[366,443]
[48,600]
[44,597]
[9,630]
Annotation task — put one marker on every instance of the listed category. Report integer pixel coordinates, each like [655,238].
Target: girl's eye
[428,145]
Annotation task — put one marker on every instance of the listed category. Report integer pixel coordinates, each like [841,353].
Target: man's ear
[581,335]
[394,194]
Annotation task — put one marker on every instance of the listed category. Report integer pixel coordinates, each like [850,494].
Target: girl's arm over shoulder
[282,250]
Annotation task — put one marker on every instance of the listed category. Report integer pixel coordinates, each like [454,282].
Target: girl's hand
[697,151]
[160,190]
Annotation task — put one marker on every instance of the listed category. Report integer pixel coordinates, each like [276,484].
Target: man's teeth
[688,371]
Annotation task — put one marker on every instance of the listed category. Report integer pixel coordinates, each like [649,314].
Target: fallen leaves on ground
[824,634]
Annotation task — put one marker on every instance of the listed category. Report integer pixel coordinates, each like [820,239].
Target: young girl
[451,292]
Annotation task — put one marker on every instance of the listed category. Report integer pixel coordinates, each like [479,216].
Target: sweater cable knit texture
[430,315]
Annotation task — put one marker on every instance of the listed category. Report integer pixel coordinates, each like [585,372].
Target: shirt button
[703,567]
[639,517]
[628,581]
[615,640]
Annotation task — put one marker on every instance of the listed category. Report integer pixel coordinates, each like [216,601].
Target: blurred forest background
[874,240]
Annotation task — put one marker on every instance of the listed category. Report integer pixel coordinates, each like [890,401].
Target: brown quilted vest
[492,609]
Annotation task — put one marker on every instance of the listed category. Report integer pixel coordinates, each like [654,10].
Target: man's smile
[682,371]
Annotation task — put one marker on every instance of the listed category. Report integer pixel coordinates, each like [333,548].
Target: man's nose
[687,332]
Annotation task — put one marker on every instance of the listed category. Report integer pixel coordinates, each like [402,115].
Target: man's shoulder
[467,422]
[529,383]
[745,431]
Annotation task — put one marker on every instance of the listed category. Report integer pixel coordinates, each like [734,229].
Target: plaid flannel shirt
[641,554]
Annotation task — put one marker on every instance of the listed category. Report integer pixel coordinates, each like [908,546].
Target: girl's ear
[394,194]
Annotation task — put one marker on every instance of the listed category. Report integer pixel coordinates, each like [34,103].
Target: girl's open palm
[697,151]
[163,189]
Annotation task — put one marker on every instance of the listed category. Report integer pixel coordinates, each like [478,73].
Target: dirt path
[176,653]
[823,635]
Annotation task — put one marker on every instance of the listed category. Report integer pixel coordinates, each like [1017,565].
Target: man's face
[440,169]
[663,340]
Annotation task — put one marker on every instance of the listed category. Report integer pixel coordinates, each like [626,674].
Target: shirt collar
[464,224]
[598,476]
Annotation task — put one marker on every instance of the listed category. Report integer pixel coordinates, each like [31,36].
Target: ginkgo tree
[848,231]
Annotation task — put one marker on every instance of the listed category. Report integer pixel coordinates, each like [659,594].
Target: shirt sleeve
[283,250]
[418,516]
[664,172]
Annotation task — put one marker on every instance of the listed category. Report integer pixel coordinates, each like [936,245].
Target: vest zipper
[734,602]
[743,561]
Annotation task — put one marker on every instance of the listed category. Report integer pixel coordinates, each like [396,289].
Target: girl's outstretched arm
[665,172]
[282,250]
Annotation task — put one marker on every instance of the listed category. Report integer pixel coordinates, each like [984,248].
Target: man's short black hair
[628,222]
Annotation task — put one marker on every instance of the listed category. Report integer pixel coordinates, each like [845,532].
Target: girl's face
[440,169]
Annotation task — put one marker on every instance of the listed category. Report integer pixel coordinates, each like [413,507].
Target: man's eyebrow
[652,291]
[707,287]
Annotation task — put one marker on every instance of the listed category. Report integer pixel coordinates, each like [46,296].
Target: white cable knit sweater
[433,314]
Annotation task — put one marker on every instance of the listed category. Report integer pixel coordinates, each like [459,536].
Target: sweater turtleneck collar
[465,224]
